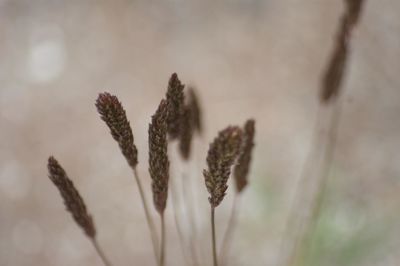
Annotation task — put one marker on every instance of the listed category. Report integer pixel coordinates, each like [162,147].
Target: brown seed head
[158,156]
[241,169]
[112,112]
[175,99]
[194,105]
[354,8]
[185,137]
[72,200]
[221,155]
[331,82]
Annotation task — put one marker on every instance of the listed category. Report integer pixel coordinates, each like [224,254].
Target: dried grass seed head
[221,156]
[196,114]
[114,115]
[354,8]
[186,132]
[242,166]
[158,156]
[175,99]
[72,200]
[332,79]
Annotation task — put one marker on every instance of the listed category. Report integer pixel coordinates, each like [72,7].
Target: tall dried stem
[149,219]
[213,237]
[323,148]
[114,115]
[162,248]
[228,236]
[100,252]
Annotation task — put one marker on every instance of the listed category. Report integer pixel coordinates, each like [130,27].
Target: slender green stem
[100,252]
[153,231]
[227,240]
[162,249]
[214,247]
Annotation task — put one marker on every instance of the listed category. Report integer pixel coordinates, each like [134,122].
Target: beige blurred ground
[248,58]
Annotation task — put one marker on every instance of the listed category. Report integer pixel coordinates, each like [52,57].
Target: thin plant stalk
[330,92]
[153,231]
[214,247]
[227,240]
[188,204]
[177,222]
[100,252]
[162,248]
[329,154]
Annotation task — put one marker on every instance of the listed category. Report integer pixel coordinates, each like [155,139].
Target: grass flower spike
[186,133]
[241,169]
[158,156]
[74,203]
[194,105]
[175,99]
[159,166]
[72,200]
[221,156]
[331,82]
[113,114]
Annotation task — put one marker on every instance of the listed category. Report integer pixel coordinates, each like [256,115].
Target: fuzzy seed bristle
[158,156]
[113,114]
[241,169]
[72,200]
[333,77]
[221,156]
[175,99]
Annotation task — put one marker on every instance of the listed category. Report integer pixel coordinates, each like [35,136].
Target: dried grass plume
[186,133]
[158,156]
[113,114]
[221,155]
[175,99]
[332,79]
[241,169]
[72,200]
[196,115]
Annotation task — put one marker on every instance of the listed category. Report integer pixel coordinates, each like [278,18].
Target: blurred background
[247,58]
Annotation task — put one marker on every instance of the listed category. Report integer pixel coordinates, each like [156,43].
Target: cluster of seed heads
[176,118]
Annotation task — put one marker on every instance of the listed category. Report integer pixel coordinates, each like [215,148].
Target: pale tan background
[248,58]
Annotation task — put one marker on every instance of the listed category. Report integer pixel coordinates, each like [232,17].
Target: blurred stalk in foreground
[307,204]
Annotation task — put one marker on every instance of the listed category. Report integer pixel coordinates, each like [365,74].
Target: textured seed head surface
[158,157]
[72,200]
[221,156]
[175,99]
[242,166]
[113,114]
